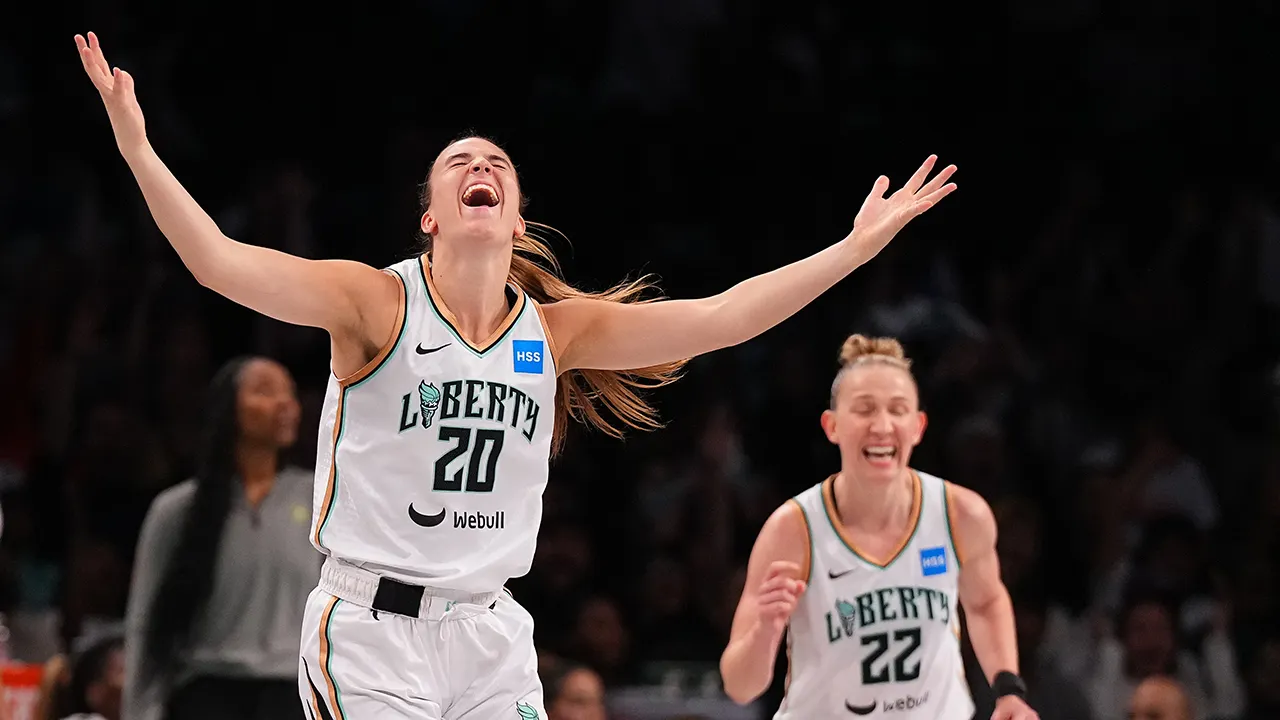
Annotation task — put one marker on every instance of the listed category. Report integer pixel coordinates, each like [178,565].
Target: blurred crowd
[1094,316]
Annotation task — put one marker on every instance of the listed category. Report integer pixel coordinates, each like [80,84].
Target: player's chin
[486,230]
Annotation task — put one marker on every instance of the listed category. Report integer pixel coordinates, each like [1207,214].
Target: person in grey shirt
[224,565]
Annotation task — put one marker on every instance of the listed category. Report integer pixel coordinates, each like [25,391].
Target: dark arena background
[1094,315]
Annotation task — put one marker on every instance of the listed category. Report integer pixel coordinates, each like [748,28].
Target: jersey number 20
[470,477]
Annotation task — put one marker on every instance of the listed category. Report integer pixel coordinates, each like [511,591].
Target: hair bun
[859,346]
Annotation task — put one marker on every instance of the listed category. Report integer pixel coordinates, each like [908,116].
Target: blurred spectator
[977,456]
[224,565]
[1173,559]
[571,691]
[93,691]
[1102,353]
[55,675]
[1053,693]
[1159,698]
[1264,681]
[601,640]
[558,583]
[668,624]
[1163,479]
[1146,645]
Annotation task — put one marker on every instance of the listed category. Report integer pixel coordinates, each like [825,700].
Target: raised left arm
[595,334]
[988,611]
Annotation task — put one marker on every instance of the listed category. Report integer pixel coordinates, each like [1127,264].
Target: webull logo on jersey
[869,609]
[483,400]
[905,704]
[527,356]
[902,704]
[480,521]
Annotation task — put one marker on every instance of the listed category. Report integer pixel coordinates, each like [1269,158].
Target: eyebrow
[467,156]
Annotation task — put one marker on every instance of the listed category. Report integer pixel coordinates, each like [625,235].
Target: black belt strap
[400,598]
[396,597]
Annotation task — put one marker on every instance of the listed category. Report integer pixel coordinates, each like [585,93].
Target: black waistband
[396,597]
[401,598]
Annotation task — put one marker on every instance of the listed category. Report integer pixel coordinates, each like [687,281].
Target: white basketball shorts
[461,658]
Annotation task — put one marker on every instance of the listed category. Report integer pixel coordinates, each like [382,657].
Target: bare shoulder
[788,519]
[968,504]
[784,537]
[381,290]
[380,302]
[971,516]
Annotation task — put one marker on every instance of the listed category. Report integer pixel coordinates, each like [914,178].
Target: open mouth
[480,195]
[880,454]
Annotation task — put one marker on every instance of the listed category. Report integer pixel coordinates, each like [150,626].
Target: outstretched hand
[882,217]
[116,88]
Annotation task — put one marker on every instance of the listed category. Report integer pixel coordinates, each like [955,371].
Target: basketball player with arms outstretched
[864,573]
[454,375]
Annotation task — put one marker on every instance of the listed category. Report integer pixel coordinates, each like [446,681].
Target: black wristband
[1006,683]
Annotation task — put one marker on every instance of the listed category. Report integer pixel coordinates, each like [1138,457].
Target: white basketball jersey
[433,458]
[878,638]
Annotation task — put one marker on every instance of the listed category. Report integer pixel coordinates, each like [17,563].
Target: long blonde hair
[582,394]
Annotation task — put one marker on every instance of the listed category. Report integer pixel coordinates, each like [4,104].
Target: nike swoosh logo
[865,710]
[425,520]
[427,351]
[833,575]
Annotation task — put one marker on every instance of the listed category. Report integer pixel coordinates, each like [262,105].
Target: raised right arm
[344,297]
[357,304]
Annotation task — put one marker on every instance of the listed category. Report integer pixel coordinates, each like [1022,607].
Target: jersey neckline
[913,522]
[450,320]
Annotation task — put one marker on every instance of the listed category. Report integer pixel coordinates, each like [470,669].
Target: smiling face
[472,195]
[876,420]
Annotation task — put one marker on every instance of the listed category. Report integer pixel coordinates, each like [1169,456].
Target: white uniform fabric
[466,657]
[878,638]
[430,471]
[432,426]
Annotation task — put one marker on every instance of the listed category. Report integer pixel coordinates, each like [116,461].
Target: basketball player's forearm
[189,229]
[746,668]
[217,262]
[759,303]
[994,637]
[314,293]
